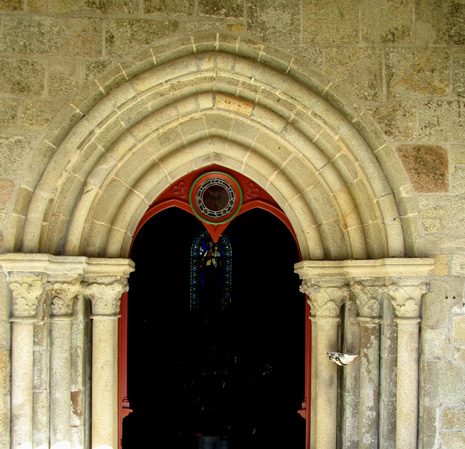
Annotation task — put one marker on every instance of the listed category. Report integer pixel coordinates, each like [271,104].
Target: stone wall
[401,61]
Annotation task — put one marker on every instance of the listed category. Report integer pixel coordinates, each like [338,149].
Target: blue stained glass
[211,272]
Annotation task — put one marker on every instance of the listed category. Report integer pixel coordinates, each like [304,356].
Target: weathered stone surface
[63,77]
[440,22]
[92,6]
[337,23]
[31,81]
[442,120]
[396,118]
[358,68]
[453,418]
[386,22]
[82,37]
[124,36]
[426,166]
[458,76]
[458,265]
[6,191]
[221,8]
[169,6]
[458,329]
[8,112]
[274,21]
[458,179]
[447,213]
[13,152]
[435,342]
[452,440]
[11,5]
[36,114]
[30,35]
[417,72]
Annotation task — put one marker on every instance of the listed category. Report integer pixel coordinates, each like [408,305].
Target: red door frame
[177,195]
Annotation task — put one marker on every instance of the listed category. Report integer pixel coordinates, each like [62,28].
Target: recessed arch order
[217,99]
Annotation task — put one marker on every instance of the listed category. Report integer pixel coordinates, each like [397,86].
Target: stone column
[26,292]
[105,299]
[62,300]
[325,299]
[368,299]
[406,298]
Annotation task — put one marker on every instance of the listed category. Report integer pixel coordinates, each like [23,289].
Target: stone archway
[218,99]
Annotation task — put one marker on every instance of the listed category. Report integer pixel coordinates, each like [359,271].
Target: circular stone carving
[215,197]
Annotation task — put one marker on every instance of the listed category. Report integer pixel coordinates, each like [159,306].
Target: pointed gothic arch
[191,102]
[217,99]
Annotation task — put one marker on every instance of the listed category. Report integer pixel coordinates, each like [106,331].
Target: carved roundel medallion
[215,197]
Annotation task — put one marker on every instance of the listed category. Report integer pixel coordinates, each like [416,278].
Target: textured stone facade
[349,113]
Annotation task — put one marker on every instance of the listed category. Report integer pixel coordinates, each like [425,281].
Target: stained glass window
[211,273]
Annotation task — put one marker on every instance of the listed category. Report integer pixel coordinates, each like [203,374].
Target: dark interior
[256,344]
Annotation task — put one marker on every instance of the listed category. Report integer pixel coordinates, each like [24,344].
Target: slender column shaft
[407,382]
[60,384]
[22,385]
[369,383]
[26,291]
[105,307]
[104,382]
[326,383]
[406,299]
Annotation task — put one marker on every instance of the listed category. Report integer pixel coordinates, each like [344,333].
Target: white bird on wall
[341,359]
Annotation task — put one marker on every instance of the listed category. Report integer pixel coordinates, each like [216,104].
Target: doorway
[259,337]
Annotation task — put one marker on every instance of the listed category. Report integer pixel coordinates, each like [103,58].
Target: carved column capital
[26,291]
[106,298]
[62,297]
[406,297]
[368,298]
[325,299]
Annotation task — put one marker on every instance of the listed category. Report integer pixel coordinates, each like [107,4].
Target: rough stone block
[336,23]
[358,68]
[386,22]
[453,418]
[185,7]
[274,21]
[447,212]
[426,166]
[125,36]
[13,153]
[36,113]
[11,5]
[444,295]
[417,72]
[84,6]
[458,329]
[82,37]
[6,191]
[31,81]
[442,120]
[221,8]
[8,112]
[435,342]
[396,118]
[439,22]
[458,265]
[452,440]
[30,35]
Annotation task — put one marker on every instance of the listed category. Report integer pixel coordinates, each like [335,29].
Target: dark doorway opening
[260,337]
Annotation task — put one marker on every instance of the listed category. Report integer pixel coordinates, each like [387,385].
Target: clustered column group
[328,285]
[44,290]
